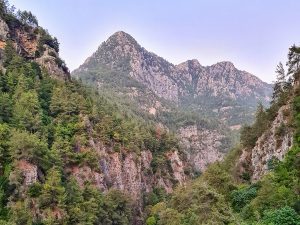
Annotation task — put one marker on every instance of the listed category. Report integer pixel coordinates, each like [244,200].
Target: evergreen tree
[27,111]
[293,62]
[27,146]
[53,198]
[280,82]
[5,107]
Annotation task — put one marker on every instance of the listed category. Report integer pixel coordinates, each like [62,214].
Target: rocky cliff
[269,148]
[33,43]
[273,144]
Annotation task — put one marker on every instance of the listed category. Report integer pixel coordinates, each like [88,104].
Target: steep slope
[201,104]
[33,43]
[258,182]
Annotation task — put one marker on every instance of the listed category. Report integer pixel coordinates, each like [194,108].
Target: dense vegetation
[46,125]
[222,196]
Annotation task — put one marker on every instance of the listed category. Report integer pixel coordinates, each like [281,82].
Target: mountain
[204,105]
[258,181]
[188,81]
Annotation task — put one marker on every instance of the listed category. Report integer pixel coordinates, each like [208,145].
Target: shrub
[282,216]
[241,197]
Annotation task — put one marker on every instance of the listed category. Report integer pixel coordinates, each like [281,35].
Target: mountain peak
[226,64]
[121,34]
[121,38]
[192,63]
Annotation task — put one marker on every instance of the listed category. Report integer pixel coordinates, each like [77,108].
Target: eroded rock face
[29,172]
[49,61]
[177,167]
[273,144]
[202,146]
[4,30]
[130,172]
[26,41]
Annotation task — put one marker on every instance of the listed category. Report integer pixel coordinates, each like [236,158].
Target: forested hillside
[68,155]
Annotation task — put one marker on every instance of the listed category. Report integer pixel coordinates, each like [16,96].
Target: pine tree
[280,83]
[53,198]
[27,111]
[293,60]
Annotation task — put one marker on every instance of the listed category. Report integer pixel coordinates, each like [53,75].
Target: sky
[253,34]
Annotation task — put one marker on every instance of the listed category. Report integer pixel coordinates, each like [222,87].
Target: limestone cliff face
[129,171]
[273,144]
[202,146]
[26,40]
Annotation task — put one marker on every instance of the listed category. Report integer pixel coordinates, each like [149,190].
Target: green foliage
[273,200]
[4,143]
[243,196]
[151,221]
[27,146]
[285,215]
[5,108]
[49,123]
[27,111]
[250,134]
[35,190]
[27,18]
[157,195]
[47,39]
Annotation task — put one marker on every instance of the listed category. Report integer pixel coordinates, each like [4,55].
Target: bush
[151,221]
[282,216]
[241,197]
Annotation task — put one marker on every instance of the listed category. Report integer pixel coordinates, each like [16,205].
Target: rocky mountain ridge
[187,81]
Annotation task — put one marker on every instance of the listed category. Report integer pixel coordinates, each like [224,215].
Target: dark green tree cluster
[27,18]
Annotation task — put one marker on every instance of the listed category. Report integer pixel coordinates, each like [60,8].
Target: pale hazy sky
[253,34]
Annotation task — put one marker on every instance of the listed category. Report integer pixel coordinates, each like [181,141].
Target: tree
[4,137]
[27,146]
[9,53]
[5,107]
[27,111]
[27,18]
[61,105]
[293,60]
[280,83]
[53,197]
[117,209]
[21,213]
[151,221]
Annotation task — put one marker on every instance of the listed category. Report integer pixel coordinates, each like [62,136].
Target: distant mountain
[189,84]
[202,103]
